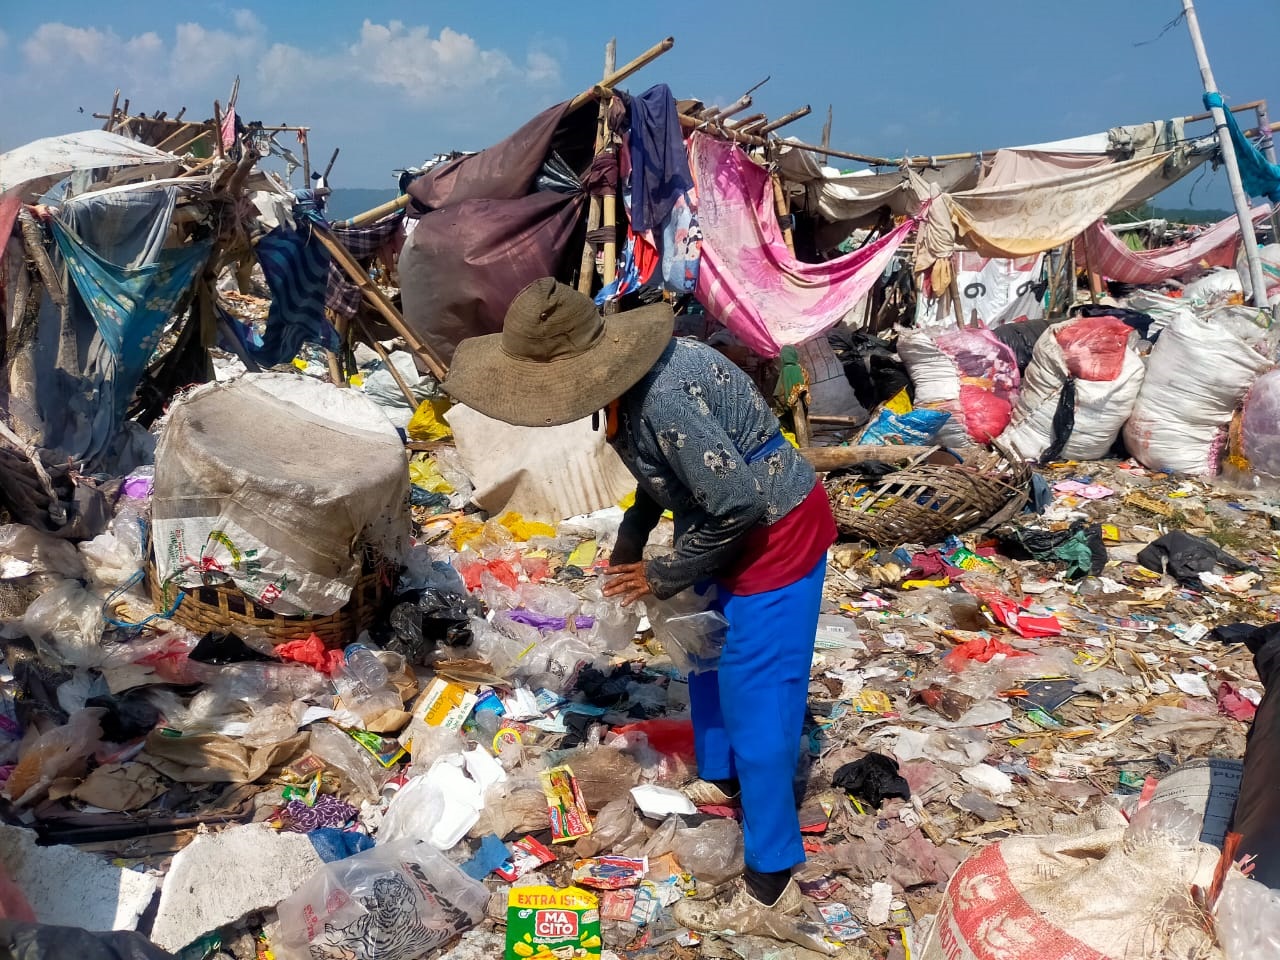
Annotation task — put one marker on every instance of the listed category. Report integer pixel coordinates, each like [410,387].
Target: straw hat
[556,360]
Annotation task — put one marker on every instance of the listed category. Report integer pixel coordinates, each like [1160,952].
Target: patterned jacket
[702,443]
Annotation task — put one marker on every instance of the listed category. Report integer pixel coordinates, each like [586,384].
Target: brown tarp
[482,235]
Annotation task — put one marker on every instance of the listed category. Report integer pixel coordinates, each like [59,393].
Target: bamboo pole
[306,157]
[602,89]
[824,459]
[381,351]
[610,211]
[587,266]
[379,301]
[1238,198]
[111,118]
[826,136]
[785,119]
[605,87]
[328,167]
[217,128]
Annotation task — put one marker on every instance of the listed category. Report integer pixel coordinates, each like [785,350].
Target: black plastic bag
[1064,421]
[1253,636]
[221,647]
[1184,557]
[38,941]
[434,617]
[872,779]
[127,717]
[1021,338]
[1080,547]
[871,365]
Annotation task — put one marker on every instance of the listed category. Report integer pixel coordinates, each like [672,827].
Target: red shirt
[778,555]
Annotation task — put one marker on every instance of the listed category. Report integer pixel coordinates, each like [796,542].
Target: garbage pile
[505,748]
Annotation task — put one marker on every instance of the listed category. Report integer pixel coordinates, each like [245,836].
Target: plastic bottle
[363,665]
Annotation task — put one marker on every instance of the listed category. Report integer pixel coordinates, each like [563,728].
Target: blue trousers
[749,714]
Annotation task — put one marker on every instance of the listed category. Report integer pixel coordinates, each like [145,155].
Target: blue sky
[392,83]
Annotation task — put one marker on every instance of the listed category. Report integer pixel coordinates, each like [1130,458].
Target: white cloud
[361,83]
[56,42]
[423,66]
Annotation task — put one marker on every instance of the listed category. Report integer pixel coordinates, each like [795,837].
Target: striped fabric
[1107,254]
[296,266]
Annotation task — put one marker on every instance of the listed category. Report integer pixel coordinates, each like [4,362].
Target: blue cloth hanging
[296,266]
[130,305]
[659,164]
[1258,176]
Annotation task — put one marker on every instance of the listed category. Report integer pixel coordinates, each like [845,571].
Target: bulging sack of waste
[1082,383]
[400,901]
[1196,375]
[1100,896]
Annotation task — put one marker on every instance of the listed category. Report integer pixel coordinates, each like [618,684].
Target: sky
[391,84]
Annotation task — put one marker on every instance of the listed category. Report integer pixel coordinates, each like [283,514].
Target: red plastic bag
[313,653]
[981,649]
[985,414]
[672,737]
[1094,347]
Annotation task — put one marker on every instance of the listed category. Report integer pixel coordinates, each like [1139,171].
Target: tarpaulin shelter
[487,227]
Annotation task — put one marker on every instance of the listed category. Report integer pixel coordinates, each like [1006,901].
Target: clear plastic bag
[1247,918]
[438,808]
[711,851]
[1260,427]
[361,774]
[25,550]
[398,901]
[65,623]
[690,629]
[54,754]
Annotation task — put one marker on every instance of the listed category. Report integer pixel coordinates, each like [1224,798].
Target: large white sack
[945,370]
[1102,407]
[1270,257]
[1197,373]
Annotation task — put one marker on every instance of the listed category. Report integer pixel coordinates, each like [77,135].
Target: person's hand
[627,582]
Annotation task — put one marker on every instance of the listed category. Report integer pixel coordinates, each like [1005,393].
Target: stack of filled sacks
[969,374]
[1079,389]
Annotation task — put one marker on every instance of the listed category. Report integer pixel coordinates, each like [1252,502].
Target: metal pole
[1241,202]
[1268,151]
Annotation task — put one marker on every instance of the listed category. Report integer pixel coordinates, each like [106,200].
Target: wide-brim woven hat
[557,360]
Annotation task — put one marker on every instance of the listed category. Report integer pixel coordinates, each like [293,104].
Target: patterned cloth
[689,432]
[748,279]
[328,812]
[1108,255]
[296,266]
[130,304]
[342,297]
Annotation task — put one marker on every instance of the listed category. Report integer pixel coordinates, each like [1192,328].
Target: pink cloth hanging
[1108,255]
[748,279]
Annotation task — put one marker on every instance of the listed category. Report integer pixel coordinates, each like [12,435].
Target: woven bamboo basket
[224,607]
[926,502]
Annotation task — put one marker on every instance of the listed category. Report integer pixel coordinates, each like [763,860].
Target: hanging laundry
[1108,255]
[659,165]
[342,297]
[1258,176]
[130,305]
[296,266]
[682,245]
[748,279]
